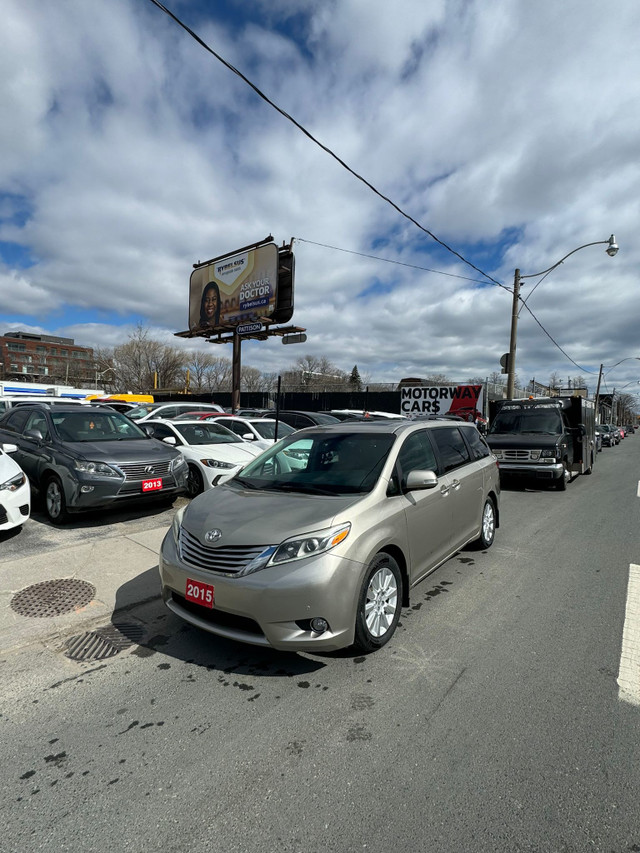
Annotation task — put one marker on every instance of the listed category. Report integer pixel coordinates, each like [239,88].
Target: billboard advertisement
[234,289]
[462,400]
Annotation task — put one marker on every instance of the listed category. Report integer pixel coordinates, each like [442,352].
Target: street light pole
[612,249]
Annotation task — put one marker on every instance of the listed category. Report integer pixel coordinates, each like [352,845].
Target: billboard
[234,289]
[463,400]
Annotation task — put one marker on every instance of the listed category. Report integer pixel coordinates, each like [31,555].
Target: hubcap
[488,522]
[54,499]
[381,602]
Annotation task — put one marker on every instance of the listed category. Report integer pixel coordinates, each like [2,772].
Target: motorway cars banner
[463,400]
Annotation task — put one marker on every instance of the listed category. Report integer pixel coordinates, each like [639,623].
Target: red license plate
[151,485]
[200,593]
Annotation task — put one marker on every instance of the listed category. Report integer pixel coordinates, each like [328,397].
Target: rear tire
[379,604]
[488,525]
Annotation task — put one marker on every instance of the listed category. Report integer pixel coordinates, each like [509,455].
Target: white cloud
[508,129]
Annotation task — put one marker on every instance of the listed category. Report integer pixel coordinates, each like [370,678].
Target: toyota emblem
[212,535]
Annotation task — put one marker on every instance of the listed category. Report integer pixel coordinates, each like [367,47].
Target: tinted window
[38,421]
[417,453]
[161,431]
[453,450]
[16,420]
[479,447]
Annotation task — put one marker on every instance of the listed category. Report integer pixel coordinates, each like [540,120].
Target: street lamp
[109,369]
[612,249]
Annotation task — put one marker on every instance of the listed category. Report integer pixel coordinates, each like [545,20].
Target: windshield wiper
[247,484]
[301,487]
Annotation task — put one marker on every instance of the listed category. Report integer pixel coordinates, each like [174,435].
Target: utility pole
[597,401]
[511,366]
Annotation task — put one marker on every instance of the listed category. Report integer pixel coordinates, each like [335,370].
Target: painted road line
[638,492]
[629,673]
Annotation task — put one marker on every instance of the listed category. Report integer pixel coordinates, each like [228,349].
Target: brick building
[26,357]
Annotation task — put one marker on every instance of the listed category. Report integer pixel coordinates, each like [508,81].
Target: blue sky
[508,129]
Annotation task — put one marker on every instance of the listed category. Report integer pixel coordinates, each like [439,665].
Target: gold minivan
[317,543]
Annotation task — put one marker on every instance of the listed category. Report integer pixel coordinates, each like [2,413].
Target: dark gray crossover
[316,543]
[87,457]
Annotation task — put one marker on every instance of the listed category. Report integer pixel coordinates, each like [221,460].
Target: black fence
[380,401]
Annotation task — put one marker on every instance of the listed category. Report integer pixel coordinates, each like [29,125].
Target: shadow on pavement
[139,601]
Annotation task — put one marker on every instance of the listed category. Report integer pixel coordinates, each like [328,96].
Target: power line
[326,149]
[556,344]
[390,261]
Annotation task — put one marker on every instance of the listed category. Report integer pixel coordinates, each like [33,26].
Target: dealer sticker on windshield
[200,593]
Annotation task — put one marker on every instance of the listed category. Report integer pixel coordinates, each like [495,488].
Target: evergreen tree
[354,380]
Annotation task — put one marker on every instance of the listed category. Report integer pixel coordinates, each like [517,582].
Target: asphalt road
[492,721]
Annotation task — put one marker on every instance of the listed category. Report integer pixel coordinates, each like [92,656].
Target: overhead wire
[317,142]
[355,174]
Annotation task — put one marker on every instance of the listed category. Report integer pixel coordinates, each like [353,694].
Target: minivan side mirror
[418,479]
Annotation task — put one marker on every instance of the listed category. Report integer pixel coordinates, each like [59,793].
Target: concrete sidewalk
[121,569]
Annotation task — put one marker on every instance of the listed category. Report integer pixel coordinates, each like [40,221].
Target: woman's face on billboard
[210,304]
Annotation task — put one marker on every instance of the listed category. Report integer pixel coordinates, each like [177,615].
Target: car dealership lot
[38,535]
[494,715]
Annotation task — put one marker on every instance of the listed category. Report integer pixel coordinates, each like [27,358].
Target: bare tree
[143,364]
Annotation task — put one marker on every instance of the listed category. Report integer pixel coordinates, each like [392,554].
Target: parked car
[608,435]
[200,415]
[300,420]
[89,457]
[146,411]
[598,439]
[324,554]
[209,449]
[260,431]
[15,492]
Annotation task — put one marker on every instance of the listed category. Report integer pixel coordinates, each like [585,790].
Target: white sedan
[210,449]
[259,431]
[15,491]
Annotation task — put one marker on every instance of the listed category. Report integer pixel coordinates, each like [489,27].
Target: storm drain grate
[103,642]
[52,598]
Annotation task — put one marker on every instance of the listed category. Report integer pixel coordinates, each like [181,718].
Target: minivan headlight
[176,524]
[98,468]
[299,547]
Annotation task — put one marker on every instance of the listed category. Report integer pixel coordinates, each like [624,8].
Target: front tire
[379,604]
[195,483]
[561,485]
[55,502]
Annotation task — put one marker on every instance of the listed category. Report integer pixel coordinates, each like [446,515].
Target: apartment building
[45,358]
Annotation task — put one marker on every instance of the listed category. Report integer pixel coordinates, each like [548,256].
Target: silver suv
[316,544]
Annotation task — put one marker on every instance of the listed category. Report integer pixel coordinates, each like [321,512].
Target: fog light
[319,625]
[86,489]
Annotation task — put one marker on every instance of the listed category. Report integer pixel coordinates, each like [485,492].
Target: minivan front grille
[144,470]
[226,559]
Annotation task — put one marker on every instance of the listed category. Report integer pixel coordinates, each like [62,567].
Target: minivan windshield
[544,421]
[336,464]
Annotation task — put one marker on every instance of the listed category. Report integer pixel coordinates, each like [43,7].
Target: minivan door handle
[456,484]
[444,490]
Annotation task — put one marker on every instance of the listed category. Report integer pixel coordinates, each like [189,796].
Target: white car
[152,411]
[211,450]
[259,431]
[15,491]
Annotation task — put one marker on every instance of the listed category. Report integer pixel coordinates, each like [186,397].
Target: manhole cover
[103,642]
[51,598]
